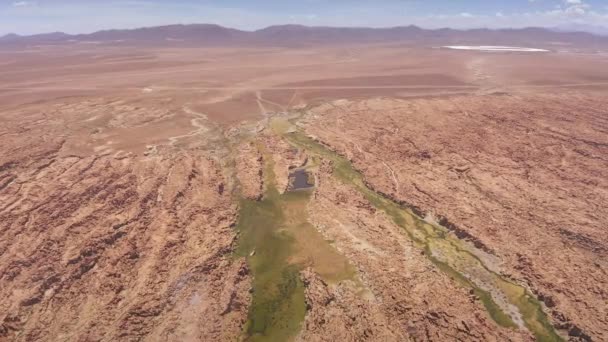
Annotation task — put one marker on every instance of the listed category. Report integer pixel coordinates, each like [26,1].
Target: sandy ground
[228,84]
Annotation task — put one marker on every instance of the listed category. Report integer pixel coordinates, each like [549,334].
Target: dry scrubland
[121,170]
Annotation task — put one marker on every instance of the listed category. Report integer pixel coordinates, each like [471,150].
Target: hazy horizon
[564,28]
[73,17]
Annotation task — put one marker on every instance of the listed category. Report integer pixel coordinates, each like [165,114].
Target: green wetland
[279,242]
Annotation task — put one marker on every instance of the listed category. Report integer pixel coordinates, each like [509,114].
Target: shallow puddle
[278,242]
[509,304]
[300,179]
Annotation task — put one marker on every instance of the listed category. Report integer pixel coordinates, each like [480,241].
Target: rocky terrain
[521,176]
[339,313]
[285,157]
[408,296]
[109,245]
[249,163]
[107,236]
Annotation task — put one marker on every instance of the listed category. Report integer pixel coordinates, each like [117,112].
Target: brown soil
[392,80]
[522,176]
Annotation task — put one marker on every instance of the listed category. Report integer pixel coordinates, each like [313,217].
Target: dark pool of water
[299,179]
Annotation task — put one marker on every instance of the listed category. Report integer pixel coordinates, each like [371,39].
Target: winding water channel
[278,242]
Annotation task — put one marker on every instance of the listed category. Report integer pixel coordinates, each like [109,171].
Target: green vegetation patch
[278,305]
[278,242]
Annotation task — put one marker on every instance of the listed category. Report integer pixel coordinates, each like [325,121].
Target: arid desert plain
[357,192]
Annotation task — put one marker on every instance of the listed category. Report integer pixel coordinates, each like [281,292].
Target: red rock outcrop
[249,170]
[409,293]
[524,176]
[96,246]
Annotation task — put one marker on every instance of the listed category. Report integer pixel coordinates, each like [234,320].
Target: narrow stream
[509,304]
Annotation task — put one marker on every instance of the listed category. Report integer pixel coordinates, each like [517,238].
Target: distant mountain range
[598,30]
[295,35]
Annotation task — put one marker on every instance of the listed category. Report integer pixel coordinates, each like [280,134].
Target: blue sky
[36,16]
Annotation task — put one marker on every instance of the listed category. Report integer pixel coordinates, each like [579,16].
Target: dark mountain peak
[10,36]
[574,27]
[52,35]
[409,28]
[191,32]
[286,27]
